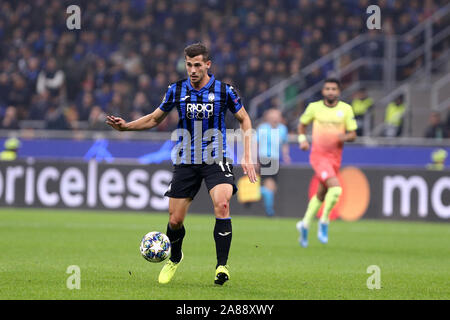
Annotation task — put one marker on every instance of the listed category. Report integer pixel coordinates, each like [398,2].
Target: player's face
[197,68]
[331,92]
[274,117]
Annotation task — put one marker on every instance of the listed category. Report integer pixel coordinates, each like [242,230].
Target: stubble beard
[198,80]
[330,101]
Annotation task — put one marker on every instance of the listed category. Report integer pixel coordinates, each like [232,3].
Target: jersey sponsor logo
[199,110]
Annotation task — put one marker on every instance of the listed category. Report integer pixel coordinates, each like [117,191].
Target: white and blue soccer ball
[155,246]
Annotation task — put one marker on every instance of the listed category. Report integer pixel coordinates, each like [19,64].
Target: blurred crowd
[127,51]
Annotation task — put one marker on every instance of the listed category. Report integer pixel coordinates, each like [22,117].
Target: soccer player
[201,102]
[272,137]
[333,124]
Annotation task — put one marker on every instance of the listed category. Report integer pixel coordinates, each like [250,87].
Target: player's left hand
[249,169]
[287,159]
[304,145]
[347,137]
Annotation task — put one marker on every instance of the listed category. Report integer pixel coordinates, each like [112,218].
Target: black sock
[176,240]
[222,236]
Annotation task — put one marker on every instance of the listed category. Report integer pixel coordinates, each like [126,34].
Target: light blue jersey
[271,139]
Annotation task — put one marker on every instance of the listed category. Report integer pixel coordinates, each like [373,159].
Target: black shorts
[266,163]
[187,178]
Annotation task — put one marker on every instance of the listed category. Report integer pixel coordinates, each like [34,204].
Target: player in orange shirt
[333,124]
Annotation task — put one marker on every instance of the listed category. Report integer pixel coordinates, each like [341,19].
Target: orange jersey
[328,124]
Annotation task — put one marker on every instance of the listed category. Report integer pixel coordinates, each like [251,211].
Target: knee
[270,184]
[175,221]
[222,209]
[336,191]
[321,195]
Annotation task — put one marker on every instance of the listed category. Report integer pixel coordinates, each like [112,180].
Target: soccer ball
[155,246]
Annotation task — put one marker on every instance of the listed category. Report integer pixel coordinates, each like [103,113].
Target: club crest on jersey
[199,110]
[211,97]
[340,114]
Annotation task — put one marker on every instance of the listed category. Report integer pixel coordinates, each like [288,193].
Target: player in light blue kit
[272,138]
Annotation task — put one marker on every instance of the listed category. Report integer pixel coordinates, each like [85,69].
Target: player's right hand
[304,145]
[249,170]
[116,122]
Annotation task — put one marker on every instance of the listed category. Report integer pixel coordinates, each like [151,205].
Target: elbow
[301,128]
[245,122]
[352,137]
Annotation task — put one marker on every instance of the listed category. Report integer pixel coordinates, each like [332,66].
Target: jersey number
[228,169]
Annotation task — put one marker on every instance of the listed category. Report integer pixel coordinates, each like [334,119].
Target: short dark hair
[333,80]
[197,49]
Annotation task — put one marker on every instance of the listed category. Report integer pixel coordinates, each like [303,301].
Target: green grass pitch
[266,261]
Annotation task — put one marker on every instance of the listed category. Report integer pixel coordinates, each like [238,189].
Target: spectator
[55,119]
[72,117]
[393,120]
[436,129]
[39,106]
[362,106]
[104,95]
[31,71]
[144,85]
[315,77]
[135,46]
[4,89]
[116,106]
[10,120]
[85,107]
[12,146]
[438,158]
[51,79]
[19,95]
[97,119]
[140,104]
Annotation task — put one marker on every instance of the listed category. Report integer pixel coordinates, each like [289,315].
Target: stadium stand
[127,52]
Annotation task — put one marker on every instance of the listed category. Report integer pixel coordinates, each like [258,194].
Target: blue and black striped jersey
[201,125]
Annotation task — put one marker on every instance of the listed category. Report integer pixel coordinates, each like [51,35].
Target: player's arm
[144,123]
[350,127]
[150,120]
[285,145]
[246,127]
[302,140]
[348,136]
[306,118]
[285,151]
